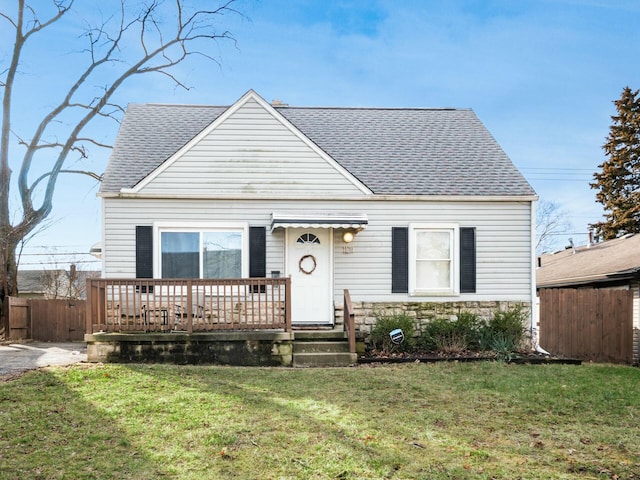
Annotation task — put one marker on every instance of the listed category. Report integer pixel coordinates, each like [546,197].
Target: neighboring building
[439,217]
[55,283]
[590,300]
[32,284]
[613,263]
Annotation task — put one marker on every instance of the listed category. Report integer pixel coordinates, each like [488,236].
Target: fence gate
[46,320]
[18,314]
[591,324]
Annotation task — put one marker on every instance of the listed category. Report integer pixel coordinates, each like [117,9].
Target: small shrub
[504,332]
[451,344]
[469,325]
[452,336]
[485,338]
[435,332]
[380,339]
[509,324]
[504,346]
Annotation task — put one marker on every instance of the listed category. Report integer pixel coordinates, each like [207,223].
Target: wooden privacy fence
[591,324]
[46,320]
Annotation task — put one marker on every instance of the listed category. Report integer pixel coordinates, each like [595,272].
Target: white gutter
[129,193]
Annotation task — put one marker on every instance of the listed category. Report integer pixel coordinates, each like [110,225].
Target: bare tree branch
[183,35]
[93,175]
[167,34]
[551,222]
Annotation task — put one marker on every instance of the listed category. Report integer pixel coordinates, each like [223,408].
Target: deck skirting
[243,348]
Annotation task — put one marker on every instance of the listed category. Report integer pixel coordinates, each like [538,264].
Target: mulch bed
[416,357]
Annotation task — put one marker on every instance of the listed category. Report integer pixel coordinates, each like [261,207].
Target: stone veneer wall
[366,313]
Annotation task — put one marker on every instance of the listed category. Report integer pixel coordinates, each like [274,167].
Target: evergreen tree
[618,183]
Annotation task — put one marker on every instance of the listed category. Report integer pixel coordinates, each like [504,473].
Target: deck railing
[191,305]
[349,321]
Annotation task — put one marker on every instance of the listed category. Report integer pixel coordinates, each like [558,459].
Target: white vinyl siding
[503,239]
[251,153]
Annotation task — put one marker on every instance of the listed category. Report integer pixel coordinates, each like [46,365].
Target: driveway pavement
[20,357]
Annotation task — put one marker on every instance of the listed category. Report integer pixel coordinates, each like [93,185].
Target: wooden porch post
[89,307]
[287,304]
[190,306]
[349,321]
[95,304]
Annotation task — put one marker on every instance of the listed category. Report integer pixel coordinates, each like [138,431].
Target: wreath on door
[308,270]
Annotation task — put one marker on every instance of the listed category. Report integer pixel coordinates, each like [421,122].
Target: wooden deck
[233,321]
[161,305]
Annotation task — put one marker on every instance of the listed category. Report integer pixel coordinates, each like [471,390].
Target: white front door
[309,265]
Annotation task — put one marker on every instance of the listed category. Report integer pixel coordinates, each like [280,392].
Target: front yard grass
[486,420]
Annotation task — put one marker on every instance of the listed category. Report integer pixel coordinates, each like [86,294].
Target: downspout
[534,291]
[534,341]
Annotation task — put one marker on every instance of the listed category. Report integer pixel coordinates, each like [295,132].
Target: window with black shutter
[467,260]
[399,260]
[427,259]
[144,251]
[257,252]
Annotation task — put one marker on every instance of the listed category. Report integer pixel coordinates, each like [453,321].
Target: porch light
[348,236]
[96,250]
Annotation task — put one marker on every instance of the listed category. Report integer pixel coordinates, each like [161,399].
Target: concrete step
[309,346]
[324,359]
[322,348]
[318,335]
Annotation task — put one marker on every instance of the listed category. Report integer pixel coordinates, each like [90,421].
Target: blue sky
[540,74]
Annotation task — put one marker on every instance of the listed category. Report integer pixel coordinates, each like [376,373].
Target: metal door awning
[351,221]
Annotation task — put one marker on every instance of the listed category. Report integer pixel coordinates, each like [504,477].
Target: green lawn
[418,421]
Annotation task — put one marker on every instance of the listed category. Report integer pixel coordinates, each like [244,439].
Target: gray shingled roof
[392,151]
[39,281]
[601,262]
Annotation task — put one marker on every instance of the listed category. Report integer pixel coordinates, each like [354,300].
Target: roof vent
[278,103]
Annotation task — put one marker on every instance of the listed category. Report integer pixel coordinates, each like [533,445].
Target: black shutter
[399,260]
[467,260]
[257,252]
[144,251]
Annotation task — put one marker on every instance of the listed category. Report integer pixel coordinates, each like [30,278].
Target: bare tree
[551,223]
[54,283]
[57,282]
[139,38]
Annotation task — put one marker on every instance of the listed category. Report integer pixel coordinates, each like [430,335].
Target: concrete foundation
[246,348]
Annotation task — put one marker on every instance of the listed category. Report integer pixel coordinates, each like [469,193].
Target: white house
[414,208]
